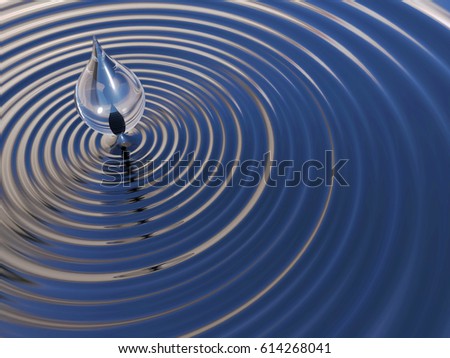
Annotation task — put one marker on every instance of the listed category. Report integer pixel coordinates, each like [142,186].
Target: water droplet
[109,97]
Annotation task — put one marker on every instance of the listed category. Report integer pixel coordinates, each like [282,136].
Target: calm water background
[368,80]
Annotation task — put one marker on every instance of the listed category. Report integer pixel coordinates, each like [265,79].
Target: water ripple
[229,82]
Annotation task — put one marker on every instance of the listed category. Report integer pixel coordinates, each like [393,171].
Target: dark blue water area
[367,86]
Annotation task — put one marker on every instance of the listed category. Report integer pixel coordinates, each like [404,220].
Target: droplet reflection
[109,97]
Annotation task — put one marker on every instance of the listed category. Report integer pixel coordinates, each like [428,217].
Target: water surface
[229,81]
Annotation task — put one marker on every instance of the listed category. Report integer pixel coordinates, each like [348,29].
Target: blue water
[369,81]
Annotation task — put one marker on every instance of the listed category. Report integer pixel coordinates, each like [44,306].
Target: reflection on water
[231,81]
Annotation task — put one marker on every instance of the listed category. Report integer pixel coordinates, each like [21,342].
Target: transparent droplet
[109,97]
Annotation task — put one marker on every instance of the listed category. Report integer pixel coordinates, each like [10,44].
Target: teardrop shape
[108,96]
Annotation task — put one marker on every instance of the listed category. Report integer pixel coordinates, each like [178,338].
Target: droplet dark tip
[116,122]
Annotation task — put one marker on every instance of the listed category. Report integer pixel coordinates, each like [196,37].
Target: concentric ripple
[230,82]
